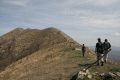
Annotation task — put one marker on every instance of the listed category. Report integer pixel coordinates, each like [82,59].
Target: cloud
[117,33]
[85,14]
[65,12]
[84,18]
[98,22]
[21,3]
[91,19]
[103,2]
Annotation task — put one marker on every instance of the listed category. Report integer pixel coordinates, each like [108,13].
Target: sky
[83,20]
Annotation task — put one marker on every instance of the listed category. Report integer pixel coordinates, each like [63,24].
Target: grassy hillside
[56,63]
[22,42]
[49,54]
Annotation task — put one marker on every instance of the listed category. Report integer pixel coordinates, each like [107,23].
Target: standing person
[107,48]
[83,50]
[99,52]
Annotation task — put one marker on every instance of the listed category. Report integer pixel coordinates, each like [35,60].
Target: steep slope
[20,43]
[47,54]
[58,62]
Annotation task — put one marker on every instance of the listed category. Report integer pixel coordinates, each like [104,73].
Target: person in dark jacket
[83,50]
[107,48]
[99,52]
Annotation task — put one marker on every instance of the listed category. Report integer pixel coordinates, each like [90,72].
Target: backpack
[83,48]
[107,45]
[99,47]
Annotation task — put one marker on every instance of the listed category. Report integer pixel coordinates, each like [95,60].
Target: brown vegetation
[33,54]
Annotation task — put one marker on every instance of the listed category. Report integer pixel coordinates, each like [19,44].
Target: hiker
[83,50]
[107,48]
[99,52]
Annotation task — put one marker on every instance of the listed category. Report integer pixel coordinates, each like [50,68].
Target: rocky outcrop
[87,75]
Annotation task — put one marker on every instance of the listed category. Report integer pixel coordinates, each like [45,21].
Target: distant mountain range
[115,53]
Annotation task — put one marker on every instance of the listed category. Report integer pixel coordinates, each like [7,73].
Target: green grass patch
[116,69]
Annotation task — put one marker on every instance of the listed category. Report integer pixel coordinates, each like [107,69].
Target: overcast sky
[83,20]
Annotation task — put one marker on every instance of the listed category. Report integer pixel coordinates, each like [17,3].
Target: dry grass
[47,54]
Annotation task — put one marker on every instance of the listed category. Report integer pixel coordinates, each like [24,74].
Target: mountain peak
[18,28]
[20,42]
